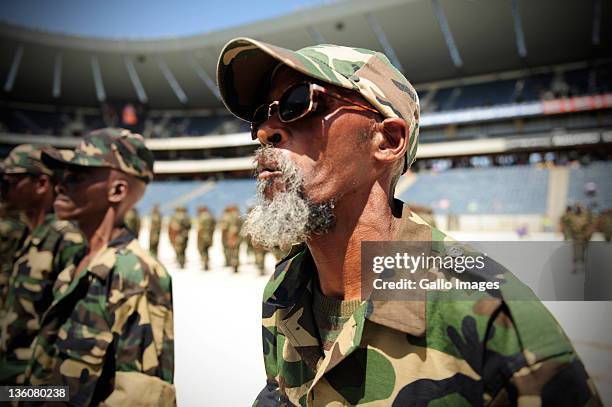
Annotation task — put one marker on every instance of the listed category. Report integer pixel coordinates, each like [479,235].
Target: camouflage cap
[114,148]
[26,159]
[245,66]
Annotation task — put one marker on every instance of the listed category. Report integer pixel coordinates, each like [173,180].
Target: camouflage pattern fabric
[178,229]
[12,234]
[230,230]
[424,213]
[206,229]
[109,334]
[245,67]
[580,226]
[605,224]
[25,159]
[114,148]
[487,351]
[155,231]
[132,221]
[50,248]
[564,224]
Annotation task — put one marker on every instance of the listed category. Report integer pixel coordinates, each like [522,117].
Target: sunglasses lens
[295,102]
[260,114]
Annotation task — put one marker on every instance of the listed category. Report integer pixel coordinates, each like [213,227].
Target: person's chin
[63,209]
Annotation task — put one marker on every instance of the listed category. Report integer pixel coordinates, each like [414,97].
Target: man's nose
[272,132]
[60,188]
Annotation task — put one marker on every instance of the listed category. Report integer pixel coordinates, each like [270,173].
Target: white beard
[289,217]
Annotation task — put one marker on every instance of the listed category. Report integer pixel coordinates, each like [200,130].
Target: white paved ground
[218,332]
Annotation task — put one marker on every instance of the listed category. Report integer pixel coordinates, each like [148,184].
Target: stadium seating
[495,190]
[598,173]
[192,194]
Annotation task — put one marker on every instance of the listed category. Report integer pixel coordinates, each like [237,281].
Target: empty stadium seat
[495,190]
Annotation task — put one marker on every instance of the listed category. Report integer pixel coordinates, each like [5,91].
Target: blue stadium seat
[495,190]
[599,173]
[223,193]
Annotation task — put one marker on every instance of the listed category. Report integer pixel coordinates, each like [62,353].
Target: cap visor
[57,159]
[245,68]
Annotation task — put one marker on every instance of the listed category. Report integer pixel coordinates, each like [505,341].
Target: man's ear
[391,138]
[42,183]
[118,190]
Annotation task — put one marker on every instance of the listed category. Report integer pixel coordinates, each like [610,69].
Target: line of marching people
[180,224]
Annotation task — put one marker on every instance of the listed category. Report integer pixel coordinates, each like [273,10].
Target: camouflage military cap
[26,159]
[245,66]
[114,148]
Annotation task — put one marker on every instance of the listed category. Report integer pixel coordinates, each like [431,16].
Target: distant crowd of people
[180,224]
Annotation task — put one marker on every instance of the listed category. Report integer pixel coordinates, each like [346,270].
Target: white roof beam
[210,84]
[140,92]
[448,36]
[518,30]
[57,76]
[176,88]
[10,78]
[384,41]
[316,36]
[97,76]
[595,35]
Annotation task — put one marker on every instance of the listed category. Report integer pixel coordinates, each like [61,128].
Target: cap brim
[58,159]
[245,68]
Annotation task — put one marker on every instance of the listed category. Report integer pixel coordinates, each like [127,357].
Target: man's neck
[99,232]
[337,254]
[35,217]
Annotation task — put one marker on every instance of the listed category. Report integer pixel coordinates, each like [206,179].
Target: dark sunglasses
[296,102]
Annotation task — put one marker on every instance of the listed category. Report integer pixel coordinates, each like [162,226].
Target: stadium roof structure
[429,40]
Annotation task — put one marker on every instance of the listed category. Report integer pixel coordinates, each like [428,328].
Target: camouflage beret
[245,65]
[114,148]
[26,159]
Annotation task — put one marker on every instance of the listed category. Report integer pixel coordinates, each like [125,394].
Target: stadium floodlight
[140,92]
[518,30]
[10,78]
[57,76]
[176,88]
[448,36]
[384,41]
[97,76]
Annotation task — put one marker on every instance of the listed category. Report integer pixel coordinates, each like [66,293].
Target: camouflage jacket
[108,334]
[206,228]
[12,234]
[488,351]
[50,248]
[178,228]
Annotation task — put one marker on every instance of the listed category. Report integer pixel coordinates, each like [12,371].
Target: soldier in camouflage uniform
[132,221]
[348,139]
[223,226]
[580,225]
[232,225]
[155,229]
[564,222]
[178,231]
[12,233]
[47,250]
[108,334]
[206,230]
[605,224]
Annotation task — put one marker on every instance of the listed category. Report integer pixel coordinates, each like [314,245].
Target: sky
[143,18]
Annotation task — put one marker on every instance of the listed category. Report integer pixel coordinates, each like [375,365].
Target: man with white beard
[338,127]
